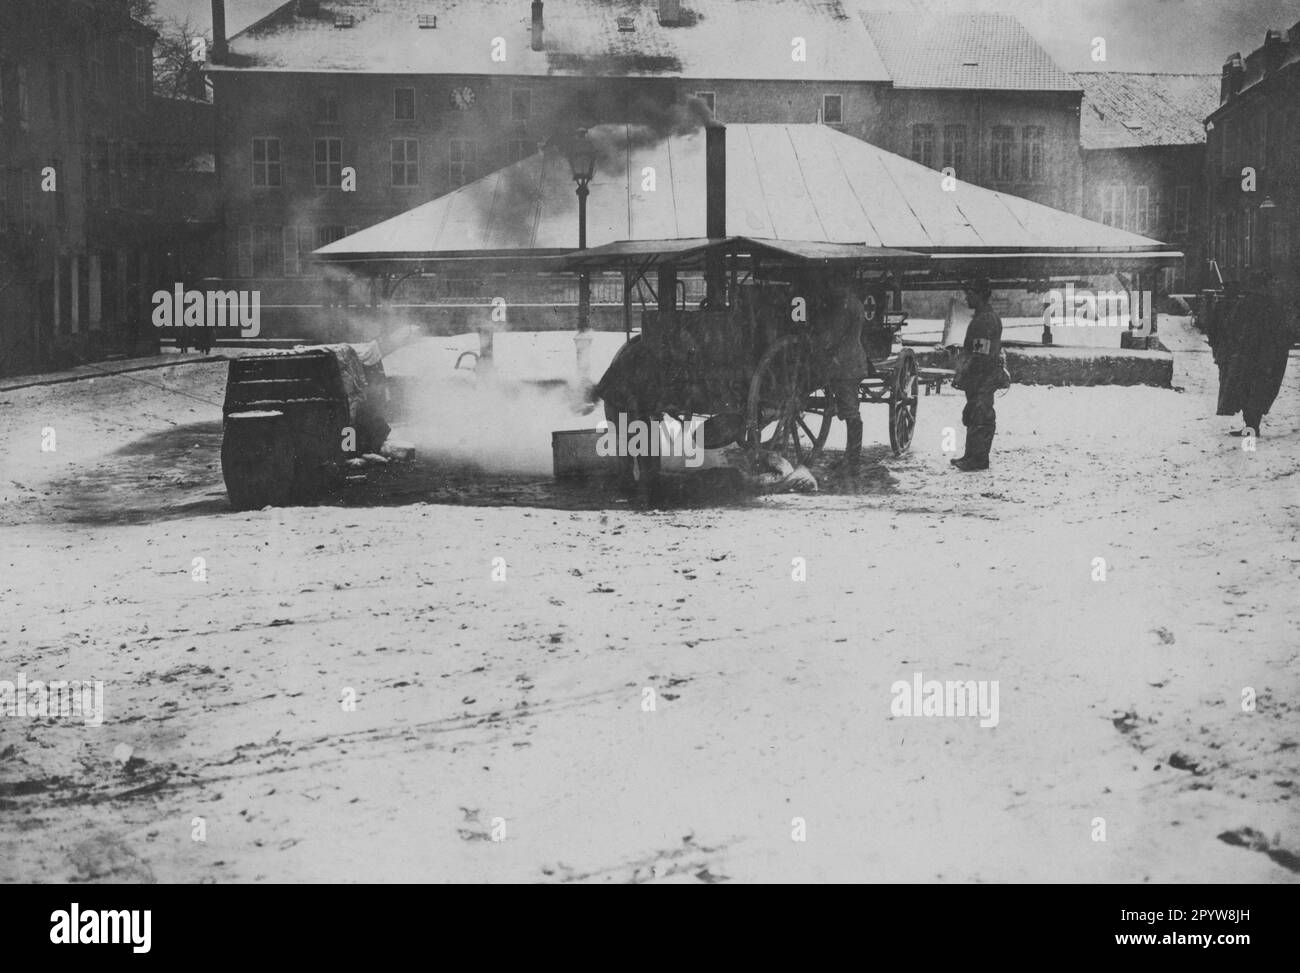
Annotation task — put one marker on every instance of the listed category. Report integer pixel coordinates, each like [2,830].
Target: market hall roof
[796,183]
[963,51]
[1126,110]
[713,39]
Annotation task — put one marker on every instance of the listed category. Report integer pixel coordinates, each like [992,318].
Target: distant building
[1142,139]
[103,190]
[334,116]
[1254,162]
[976,94]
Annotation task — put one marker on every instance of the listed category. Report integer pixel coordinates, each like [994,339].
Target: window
[1031,153]
[954,148]
[325,235]
[244,252]
[24,115]
[292,261]
[710,100]
[1002,157]
[1248,237]
[328,158]
[266,162]
[833,109]
[114,172]
[54,92]
[98,76]
[1279,247]
[1141,210]
[404,104]
[125,69]
[268,251]
[24,202]
[327,107]
[521,104]
[71,114]
[260,251]
[462,157]
[518,149]
[1112,205]
[142,58]
[405,155]
[923,144]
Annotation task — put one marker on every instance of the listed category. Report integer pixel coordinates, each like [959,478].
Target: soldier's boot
[979,440]
[847,465]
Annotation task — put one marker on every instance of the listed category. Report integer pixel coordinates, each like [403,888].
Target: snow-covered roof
[1123,110]
[976,51]
[737,39]
[805,183]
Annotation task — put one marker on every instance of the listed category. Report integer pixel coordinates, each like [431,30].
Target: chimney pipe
[715,181]
[218,31]
[537,25]
[715,211]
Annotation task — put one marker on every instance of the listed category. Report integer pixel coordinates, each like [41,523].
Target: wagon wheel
[902,402]
[814,425]
[774,418]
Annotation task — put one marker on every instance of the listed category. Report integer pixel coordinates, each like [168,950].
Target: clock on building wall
[462,98]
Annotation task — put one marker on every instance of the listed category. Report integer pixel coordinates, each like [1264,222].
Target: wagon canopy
[786,185]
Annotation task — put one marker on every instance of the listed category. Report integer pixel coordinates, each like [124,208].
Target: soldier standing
[982,377]
[1251,349]
[846,365]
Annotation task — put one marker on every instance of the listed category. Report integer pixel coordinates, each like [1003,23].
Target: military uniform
[1251,350]
[845,365]
[983,348]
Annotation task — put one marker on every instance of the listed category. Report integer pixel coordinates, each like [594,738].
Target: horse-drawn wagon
[756,361]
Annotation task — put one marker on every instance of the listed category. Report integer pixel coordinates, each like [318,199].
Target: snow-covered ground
[515,706]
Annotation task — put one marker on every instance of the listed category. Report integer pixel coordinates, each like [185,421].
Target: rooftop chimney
[670,12]
[1230,84]
[1274,51]
[218,31]
[537,25]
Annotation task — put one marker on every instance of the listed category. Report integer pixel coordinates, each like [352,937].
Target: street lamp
[582,163]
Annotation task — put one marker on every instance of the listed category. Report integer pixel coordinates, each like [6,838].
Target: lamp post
[582,163]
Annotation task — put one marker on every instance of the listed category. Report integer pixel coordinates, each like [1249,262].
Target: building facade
[103,193]
[335,116]
[1253,163]
[976,96]
[1142,141]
